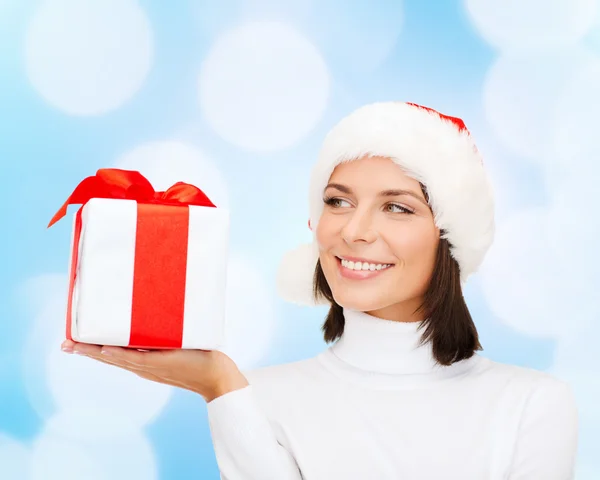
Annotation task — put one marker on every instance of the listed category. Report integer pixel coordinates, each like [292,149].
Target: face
[377,239]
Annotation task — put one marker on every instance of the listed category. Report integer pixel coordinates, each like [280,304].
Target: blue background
[439,59]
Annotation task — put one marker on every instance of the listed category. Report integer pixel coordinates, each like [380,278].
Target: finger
[121,365]
[118,355]
[86,349]
[145,359]
[70,346]
[119,362]
[115,362]
[67,346]
[126,357]
[139,372]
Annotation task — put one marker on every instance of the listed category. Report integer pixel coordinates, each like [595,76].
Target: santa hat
[435,149]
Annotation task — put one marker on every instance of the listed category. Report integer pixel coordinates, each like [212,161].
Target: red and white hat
[435,149]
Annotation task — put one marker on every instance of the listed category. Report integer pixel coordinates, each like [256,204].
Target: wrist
[227,386]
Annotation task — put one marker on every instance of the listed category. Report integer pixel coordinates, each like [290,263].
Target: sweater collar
[386,354]
[383,346]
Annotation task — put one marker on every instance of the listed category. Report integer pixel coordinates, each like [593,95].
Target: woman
[401,213]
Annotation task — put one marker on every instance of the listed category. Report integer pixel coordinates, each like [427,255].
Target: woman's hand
[209,373]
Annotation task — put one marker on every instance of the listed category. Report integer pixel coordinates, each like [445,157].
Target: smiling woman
[402,213]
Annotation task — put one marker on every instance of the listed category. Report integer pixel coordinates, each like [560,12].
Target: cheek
[415,248]
[326,234]
[327,239]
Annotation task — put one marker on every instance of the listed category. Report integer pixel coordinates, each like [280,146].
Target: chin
[363,296]
[360,301]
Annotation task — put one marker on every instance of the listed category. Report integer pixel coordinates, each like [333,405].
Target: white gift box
[114,281]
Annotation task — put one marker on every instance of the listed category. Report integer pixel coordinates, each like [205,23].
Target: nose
[359,228]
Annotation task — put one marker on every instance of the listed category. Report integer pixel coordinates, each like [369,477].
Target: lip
[359,274]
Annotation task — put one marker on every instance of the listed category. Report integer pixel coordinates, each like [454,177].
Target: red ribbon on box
[159,280]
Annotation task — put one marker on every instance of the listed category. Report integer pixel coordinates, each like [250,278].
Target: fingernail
[105,352]
[66,349]
[77,352]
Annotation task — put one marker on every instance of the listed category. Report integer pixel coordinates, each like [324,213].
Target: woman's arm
[547,443]
[245,445]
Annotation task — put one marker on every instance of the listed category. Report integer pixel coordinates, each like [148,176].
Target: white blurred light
[69,448]
[164,163]
[250,314]
[263,86]
[15,459]
[55,459]
[574,228]
[46,334]
[77,382]
[36,292]
[529,25]
[584,471]
[292,9]
[521,95]
[212,17]
[593,37]
[578,351]
[529,286]
[81,423]
[509,185]
[359,38]
[577,120]
[570,365]
[87,57]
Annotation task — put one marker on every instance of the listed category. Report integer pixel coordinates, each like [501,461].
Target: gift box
[147,269]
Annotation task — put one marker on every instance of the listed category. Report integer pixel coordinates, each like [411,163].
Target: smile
[358,269]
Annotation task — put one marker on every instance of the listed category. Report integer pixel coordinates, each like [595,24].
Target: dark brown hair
[448,324]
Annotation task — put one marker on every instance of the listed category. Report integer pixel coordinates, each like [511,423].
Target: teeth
[364,265]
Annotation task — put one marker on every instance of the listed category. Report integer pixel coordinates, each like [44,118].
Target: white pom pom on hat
[296,274]
[435,149]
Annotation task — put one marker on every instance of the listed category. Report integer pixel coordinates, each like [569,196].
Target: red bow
[130,185]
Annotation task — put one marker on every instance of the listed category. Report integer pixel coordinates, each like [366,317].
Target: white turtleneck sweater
[375,407]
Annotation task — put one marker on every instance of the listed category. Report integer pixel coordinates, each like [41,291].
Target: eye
[335,202]
[397,208]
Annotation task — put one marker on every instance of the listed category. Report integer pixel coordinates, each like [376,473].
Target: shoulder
[541,391]
[547,429]
[551,397]
[526,375]
[289,389]
[282,379]
[282,375]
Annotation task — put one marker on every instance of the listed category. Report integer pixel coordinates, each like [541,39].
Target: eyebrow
[384,193]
